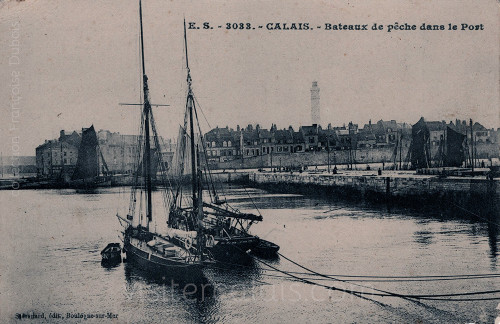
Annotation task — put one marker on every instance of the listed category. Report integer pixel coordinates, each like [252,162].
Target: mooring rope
[406,296]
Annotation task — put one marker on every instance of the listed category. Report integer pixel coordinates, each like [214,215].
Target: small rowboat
[112,253]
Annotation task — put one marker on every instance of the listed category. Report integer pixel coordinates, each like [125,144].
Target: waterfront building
[384,141]
[311,135]
[120,151]
[386,132]
[56,158]
[223,144]
[283,140]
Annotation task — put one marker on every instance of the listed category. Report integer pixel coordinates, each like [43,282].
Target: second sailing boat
[224,229]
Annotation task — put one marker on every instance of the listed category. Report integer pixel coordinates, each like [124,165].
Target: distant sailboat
[86,173]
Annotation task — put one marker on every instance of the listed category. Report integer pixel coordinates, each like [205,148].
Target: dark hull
[111,257]
[165,267]
[266,249]
[111,254]
[233,249]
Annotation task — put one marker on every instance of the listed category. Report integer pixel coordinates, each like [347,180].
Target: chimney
[237,128]
[61,133]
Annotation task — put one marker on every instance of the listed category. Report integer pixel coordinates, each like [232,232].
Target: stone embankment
[392,186]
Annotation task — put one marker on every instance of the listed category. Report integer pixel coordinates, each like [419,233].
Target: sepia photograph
[324,161]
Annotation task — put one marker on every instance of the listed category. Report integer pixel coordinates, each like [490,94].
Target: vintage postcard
[261,161]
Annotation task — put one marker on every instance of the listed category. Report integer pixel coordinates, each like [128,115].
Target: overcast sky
[78,59]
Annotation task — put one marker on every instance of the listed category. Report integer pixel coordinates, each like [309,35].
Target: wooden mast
[146,112]
[190,105]
[472,145]
[195,160]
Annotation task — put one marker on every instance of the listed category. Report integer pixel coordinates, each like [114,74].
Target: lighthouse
[315,114]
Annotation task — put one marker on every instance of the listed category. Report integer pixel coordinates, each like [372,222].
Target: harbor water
[51,265]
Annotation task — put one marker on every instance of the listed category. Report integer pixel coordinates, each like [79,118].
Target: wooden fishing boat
[171,253]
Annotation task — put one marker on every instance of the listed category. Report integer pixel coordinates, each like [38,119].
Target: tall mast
[195,162]
[400,147]
[190,105]
[472,144]
[62,162]
[147,109]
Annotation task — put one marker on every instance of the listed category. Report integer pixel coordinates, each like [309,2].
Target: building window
[229,143]
[213,144]
[224,144]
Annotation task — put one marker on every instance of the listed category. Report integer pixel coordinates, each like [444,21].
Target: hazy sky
[77,60]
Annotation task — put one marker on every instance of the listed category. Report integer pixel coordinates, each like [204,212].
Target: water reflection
[192,301]
[229,273]
[423,237]
[493,232]
[110,264]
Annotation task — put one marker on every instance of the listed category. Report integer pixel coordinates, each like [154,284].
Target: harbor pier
[404,188]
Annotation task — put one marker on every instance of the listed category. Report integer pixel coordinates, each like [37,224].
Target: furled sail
[420,145]
[455,155]
[87,164]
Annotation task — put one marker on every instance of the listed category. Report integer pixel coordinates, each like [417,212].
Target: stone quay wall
[405,188]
